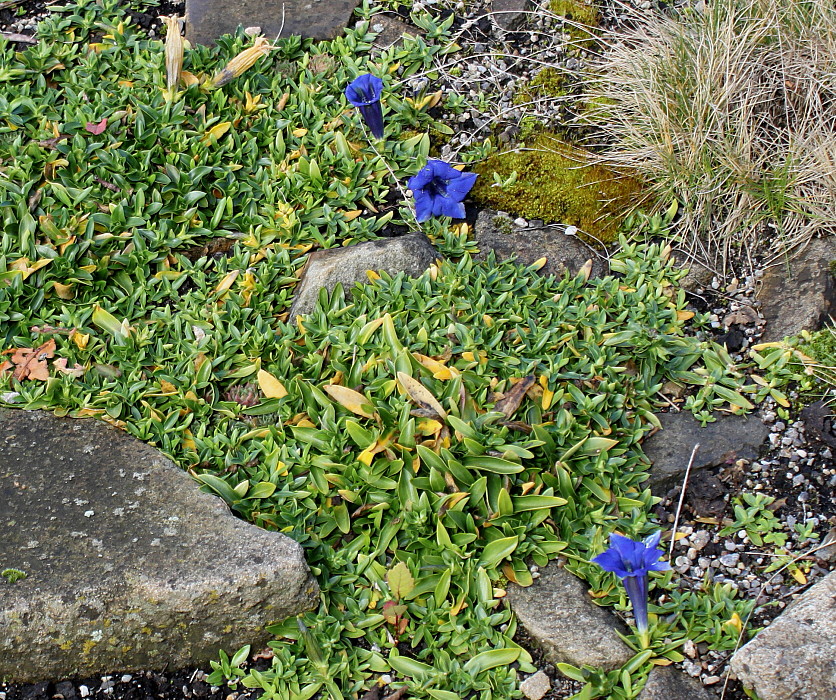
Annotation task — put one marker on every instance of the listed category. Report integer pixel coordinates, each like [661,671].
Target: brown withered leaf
[61,365]
[399,694]
[512,399]
[30,363]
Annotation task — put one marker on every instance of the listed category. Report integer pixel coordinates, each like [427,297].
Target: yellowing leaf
[538,264]
[354,401]
[684,315]
[299,133]
[80,339]
[421,395]
[167,387]
[189,79]
[351,215]
[64,291]
[226,283]
[735,622]
[271,387]
[400,581]
[798,575]
[216,132]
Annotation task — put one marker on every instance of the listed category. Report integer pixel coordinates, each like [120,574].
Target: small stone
[522,223]
[700,539]
[84,691]
[730,560]
[127,678]
[535,687]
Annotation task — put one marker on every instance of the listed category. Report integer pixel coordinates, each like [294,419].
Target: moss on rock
[549,82]
[555,183]
[576,10]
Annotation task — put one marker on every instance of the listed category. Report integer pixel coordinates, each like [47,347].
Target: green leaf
[263,489]
[220,487]
[523,503]
[410,667]
[494,552]
[495,465]
[491,659]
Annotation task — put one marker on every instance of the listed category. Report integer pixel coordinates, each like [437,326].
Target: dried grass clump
[731,110]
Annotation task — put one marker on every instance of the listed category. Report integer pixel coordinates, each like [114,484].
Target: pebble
[522,223]
[730,560]
[700,539]
[84,691]
[535,687]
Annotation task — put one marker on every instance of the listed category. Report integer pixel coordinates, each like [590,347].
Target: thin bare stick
[682,498]
[19,38]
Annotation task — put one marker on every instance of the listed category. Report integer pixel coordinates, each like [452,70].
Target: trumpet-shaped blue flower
[631,561]
[439,189]
[364,93]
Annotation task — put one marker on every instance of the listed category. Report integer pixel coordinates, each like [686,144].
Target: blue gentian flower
[631,561]
[439,189]
[364,93]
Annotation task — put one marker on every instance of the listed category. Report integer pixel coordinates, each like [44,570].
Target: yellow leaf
[400,581]
[216,132]
[372,275]
[167,387]
[189,79]
[188,440]
[253,103]
[226,283]
[354,401]
[64,291]
[798,575]
[80,339]
[428,426]
[271,387]
[299,133]
[421,395]
[538,264]
[684,315]
[351,215]
[735,622]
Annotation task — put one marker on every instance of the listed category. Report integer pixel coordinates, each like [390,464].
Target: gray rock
[726,440]
[795,657]
[509,14]
[698,275]
[497,232]
[390,30]
[803,297]
[129,565]
[669,683]
[535,687]
[412,254]
[560,618]
[206,20]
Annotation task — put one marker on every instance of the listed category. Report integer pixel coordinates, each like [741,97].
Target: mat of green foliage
[424,439]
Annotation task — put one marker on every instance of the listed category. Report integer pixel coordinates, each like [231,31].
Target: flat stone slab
[411,254]
[726,440]
[795,657]
[128,564]
[206,20]
[801,295]
[498,233]
[558,615]
[669,683]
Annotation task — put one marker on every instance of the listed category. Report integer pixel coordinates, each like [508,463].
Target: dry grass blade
[173,51]
[730,111]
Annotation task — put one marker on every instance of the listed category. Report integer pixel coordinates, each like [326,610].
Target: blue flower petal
[611,561]
[423,205]
[458,187]
[421,180]
[364,90]
[445,206]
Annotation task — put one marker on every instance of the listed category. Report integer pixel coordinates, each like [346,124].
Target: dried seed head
[242,62]
[173,51]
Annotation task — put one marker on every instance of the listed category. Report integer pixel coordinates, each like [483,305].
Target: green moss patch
[577,10]
[549,82]
[554,184]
